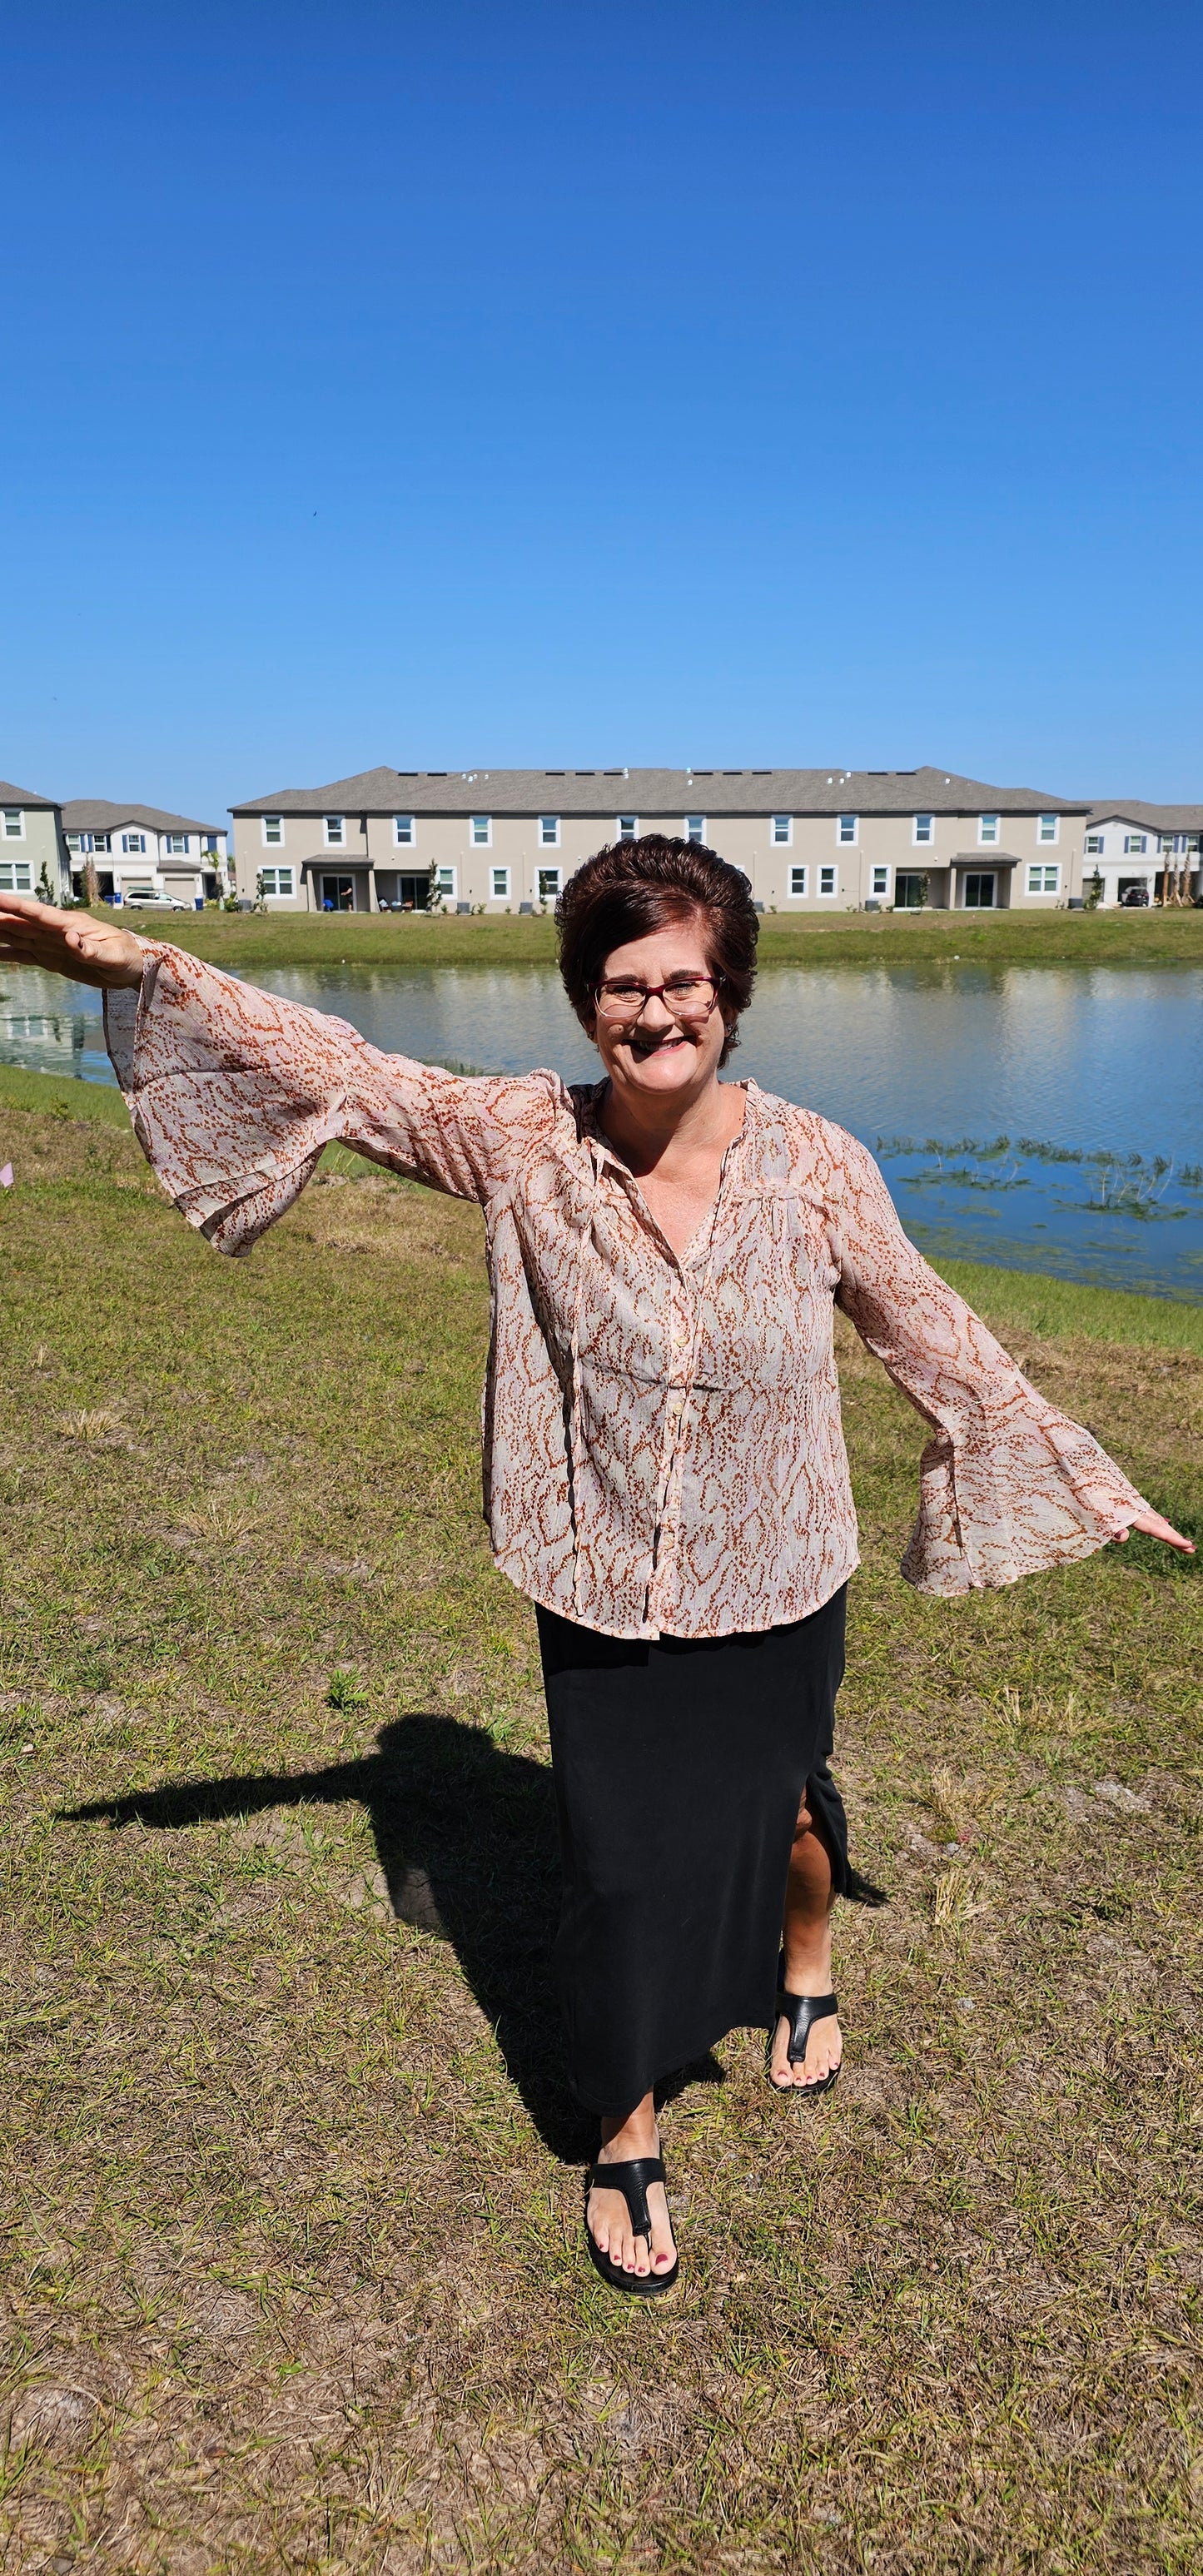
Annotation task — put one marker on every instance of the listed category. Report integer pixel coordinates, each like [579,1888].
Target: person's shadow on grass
[466,1837]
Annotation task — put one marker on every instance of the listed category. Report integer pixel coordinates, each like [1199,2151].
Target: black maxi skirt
[679,1768]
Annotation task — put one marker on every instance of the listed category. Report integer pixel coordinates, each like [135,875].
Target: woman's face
[655,1055]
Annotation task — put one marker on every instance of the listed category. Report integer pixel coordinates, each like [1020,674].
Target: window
[828,880]
[549,884]
[175,843]
[1048,827]
[273,831]
[1044,880]
[910,891]
[783,830]
[499,884]
[482,831]
[846,833]
[445,883]
[880,882]
[209,843]
[979,892]
[628,827]
[987,828]
[797,880]
[14,824]
[404,834]
[695,827]
[275,881]
[1094,845]
[16,876]
[99,840]
[1135,844]
[335,835]
[925,830]
[549,831]
[136,841]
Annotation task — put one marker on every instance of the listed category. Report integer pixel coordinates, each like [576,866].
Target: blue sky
[440,386]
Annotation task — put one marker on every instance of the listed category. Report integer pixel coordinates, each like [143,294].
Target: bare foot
[607,2216]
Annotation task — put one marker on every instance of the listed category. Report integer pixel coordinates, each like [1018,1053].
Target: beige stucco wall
[883,841]
[42,843]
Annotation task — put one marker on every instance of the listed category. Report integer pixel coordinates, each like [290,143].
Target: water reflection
[1027,1115]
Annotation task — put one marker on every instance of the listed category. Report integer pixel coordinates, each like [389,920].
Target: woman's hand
[68,943]
[1154,1527]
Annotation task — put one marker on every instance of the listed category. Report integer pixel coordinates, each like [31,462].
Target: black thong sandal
[801,2012]
[631,2179]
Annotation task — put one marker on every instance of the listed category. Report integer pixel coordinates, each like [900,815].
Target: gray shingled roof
[10,795]
[95,814]
[604,792]
[1147,818]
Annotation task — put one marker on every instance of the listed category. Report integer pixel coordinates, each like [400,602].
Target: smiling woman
[665,1475]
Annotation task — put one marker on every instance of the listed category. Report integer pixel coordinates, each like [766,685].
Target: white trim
[991,839]
[1048,840]
[481,840]
[277,893]
[698,835]
[620,820]
[554,892]
[879,869]
[9,811]
[276,842]
[1044,868]
[923,840]
[499,894]
[828,893]
[335,824]
[797,892]
[450,891]
[783,840]
[405,832]
[549,841]
[19,876]
[847,840]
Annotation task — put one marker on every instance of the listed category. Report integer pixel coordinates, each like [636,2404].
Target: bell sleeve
[1008,1486]
[233,1094]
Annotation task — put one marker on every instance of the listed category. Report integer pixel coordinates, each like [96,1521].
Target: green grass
[291,2201]
[248,940]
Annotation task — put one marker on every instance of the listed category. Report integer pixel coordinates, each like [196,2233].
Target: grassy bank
[247,940]
[292,2201]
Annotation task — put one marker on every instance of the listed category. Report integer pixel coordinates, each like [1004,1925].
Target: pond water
[1044,1118]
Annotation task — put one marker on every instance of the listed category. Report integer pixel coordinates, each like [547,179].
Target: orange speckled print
[662,1442]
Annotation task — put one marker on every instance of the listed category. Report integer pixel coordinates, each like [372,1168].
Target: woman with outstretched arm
[665,1475]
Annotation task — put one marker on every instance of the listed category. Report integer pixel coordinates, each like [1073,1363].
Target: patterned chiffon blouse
[662,1440]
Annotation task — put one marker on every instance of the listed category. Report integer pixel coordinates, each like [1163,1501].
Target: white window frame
[1043,868]
[450,890]
[1093,845]
[626,827]
[499,893]
[783,831]
[274,893]
[828,893]
[175,844]
[989,831]
[405,832]
[480,831]
[334,831]
[549,831]
[1048,830]
[847,838]
[879,869]
[134,844]
[1136,845]
[554,896]
[14,821]
[798,883]
[924,832]
[272,826]
[21,872]
[695,829]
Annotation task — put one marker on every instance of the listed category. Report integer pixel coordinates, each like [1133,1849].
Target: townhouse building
[143,855]
[1129,848]
[33,851]
[808,840]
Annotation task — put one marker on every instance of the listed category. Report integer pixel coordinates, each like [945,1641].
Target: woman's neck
[649,1133]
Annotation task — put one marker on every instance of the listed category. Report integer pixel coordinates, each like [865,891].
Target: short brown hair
[633,887]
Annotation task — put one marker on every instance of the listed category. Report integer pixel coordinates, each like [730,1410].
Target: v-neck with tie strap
[663,1452]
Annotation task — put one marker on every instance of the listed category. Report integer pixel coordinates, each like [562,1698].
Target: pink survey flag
[6,1177]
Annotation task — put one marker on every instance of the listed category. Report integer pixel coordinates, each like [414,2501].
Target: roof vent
[555,773]
[584,773]
[614,773]
[436,773]
[733,773]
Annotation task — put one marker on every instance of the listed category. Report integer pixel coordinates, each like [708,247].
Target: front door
[338,894]
[979,890]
